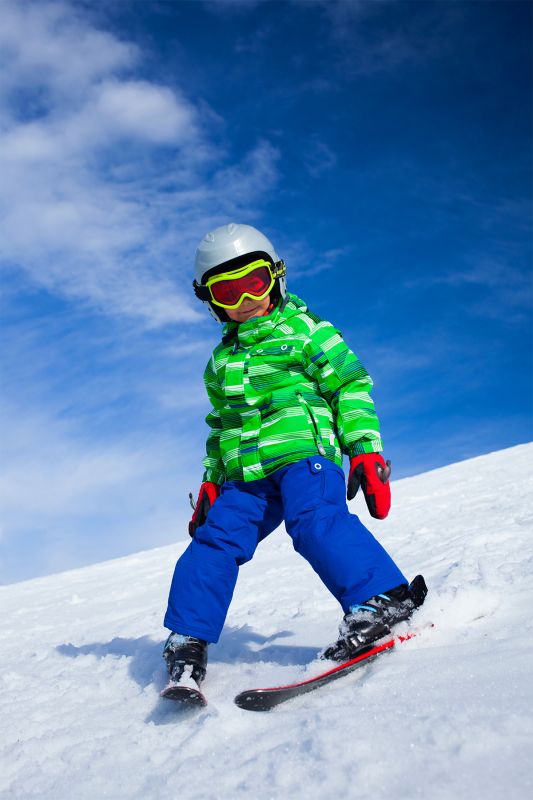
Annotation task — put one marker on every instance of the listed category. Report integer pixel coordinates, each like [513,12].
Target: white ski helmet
[228,248]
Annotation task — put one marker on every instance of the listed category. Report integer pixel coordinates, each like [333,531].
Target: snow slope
[448,715]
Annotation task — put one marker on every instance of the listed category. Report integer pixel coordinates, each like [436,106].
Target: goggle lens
[230,293]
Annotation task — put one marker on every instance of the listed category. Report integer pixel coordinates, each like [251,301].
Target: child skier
[289,398]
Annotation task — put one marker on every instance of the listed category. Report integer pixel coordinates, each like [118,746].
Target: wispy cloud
[405,33]
[241,181]
[319,158]
[97,442]
[65,497]
[258,41]
[504,291]
[108,179]
[302,262]
[237,6]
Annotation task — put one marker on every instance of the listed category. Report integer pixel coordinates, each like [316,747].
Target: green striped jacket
[284,387]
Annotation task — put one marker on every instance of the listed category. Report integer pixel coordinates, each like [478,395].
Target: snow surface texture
[447,715]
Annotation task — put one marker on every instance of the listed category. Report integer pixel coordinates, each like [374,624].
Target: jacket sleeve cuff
[360,447]
[214,475]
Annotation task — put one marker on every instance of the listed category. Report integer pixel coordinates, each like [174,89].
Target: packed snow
[448,714]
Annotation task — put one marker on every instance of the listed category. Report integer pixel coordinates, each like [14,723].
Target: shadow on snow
[241,645]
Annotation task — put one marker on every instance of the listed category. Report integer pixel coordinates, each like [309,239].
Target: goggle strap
[201,291]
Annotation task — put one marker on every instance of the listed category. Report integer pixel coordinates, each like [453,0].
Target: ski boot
[364,624]
[186,658]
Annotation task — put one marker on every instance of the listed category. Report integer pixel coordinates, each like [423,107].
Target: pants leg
[206,574]
[345,555]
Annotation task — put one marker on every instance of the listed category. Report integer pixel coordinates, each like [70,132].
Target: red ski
[265,699]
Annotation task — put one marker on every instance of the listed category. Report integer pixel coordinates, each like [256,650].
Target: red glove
[206,497]
[370,471]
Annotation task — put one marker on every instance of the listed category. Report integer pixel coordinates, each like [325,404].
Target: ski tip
[254,700]
[184,695]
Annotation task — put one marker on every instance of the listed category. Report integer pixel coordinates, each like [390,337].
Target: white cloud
[111,112]
[140,110]
[108,180]
[51,46]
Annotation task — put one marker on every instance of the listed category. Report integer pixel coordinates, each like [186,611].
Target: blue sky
[384,147]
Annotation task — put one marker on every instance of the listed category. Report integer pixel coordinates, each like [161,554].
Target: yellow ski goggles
[255,280]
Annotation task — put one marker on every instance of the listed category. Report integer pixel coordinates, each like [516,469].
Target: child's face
[249,308]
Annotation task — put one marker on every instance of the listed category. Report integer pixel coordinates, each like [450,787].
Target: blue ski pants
[310,496]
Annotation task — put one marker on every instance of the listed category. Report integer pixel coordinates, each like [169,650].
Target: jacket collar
[246,334]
